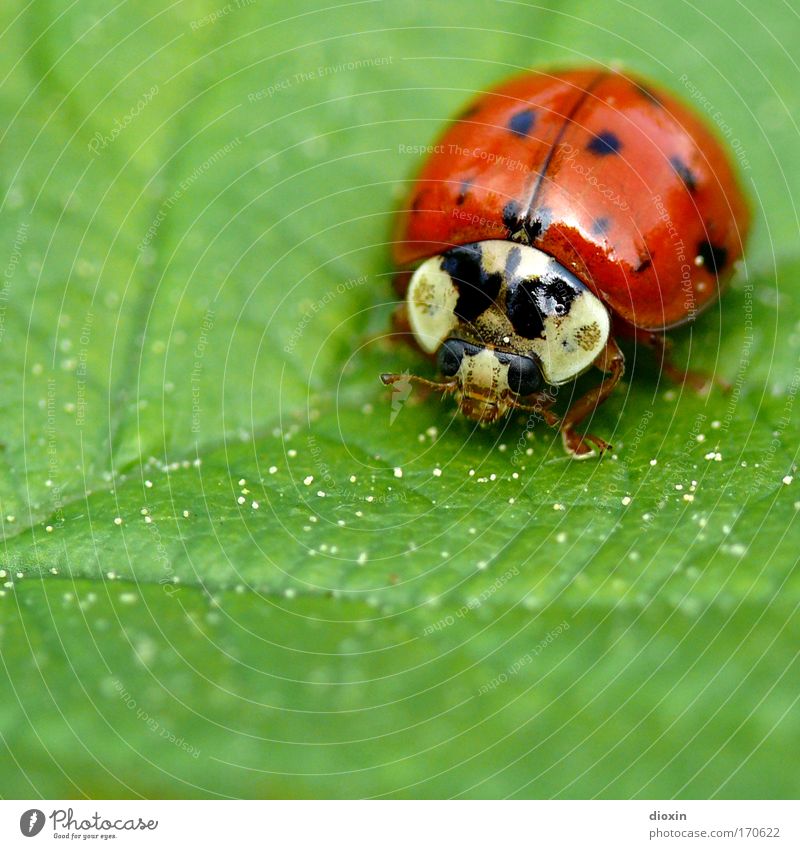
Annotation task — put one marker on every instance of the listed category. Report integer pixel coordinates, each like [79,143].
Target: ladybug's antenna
[391,379]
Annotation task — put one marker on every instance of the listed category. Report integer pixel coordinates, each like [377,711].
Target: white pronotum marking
[569,344]
[432,299]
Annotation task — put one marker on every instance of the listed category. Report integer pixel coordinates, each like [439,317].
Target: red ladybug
[558,211]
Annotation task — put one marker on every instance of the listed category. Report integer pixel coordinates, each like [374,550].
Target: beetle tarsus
[611,361]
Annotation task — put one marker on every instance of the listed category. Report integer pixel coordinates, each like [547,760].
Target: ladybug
[559,212]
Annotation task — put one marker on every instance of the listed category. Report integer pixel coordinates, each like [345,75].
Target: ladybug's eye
[451,353]
[449,357]
[524,377]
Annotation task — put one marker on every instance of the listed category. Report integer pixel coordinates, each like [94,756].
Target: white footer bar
[402,824]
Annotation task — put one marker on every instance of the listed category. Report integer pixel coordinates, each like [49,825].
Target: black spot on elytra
[600,226]
[714,256]
[531,299]
[684,172]
[477,290]
[605,143]
[467,112]
[522,122]
[463,191]
[648,94]
[416,203]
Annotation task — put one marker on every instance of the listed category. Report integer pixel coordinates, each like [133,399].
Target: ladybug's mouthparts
[479,409]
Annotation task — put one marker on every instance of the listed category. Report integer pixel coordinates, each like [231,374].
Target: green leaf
[231,568]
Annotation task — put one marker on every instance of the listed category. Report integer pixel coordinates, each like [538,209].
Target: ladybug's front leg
[612,362]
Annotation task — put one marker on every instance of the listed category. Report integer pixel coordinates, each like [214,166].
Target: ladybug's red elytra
[559,211]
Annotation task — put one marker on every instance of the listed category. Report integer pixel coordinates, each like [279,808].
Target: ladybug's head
[504,321]
[487,380]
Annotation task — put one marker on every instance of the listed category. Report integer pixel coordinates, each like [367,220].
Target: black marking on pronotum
[463,191]
[477,290]
[512,262]
[600,226]
[604,143]
[522,122]
[684,172]
[557,295]
[523,310]
[714,256]
[531,299]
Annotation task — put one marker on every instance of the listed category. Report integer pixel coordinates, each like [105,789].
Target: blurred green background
[225,572]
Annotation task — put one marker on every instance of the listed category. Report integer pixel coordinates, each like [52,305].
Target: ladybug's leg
[698,380]
[612,362]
